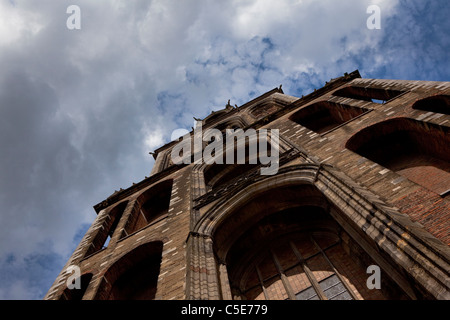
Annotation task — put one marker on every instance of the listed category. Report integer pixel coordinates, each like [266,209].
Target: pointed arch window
[294,253]
[105,233]
[324,116]
[242,152]
[368,94]
[301,276]
[150,207]
[438,104]
[418,151]
[77,294]
[134,276]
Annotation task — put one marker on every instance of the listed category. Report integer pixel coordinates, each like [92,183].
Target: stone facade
[363,180]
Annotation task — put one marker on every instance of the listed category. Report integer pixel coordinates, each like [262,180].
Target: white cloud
[153,138]
[16,24]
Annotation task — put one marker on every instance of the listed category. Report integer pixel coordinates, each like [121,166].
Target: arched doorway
[223,244]
[284,244]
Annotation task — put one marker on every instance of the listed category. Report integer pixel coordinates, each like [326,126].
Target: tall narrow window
[151,206]
[104,234]
[283,242]
[288,254]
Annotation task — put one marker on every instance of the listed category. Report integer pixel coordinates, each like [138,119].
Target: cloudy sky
[80,109]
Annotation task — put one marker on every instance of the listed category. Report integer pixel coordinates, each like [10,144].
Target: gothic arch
[211,175]
[109,225]
[149,207]
[134,276]
[214,115]
[368,94]
[412,148]
[324,116]
[372,225]
[264,109]
[233,122]
[77,294]
[217,175]
[437,103]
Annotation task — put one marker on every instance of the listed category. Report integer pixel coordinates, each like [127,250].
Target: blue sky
[81,109]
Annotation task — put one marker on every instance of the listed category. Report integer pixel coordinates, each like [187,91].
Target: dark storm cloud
[37,161]
[68,118]
[36,152]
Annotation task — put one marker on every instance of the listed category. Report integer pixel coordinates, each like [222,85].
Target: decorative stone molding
[388,236]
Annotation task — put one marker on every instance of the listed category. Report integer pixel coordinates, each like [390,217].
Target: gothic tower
[358,206]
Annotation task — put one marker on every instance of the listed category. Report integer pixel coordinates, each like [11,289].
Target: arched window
[219,174]
[246,152]
[77,294]
[300,268]
[150,207]
[419,151]
[367,94]
[104,234]
[215,115]
[438,103]
[231,123]
[134,276]
[323,116]
[299,233]
[284,244]
[262,110]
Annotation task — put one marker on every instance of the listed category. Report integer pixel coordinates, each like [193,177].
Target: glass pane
[334,289]
[307,294]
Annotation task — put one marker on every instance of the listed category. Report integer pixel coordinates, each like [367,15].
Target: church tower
[350,200]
